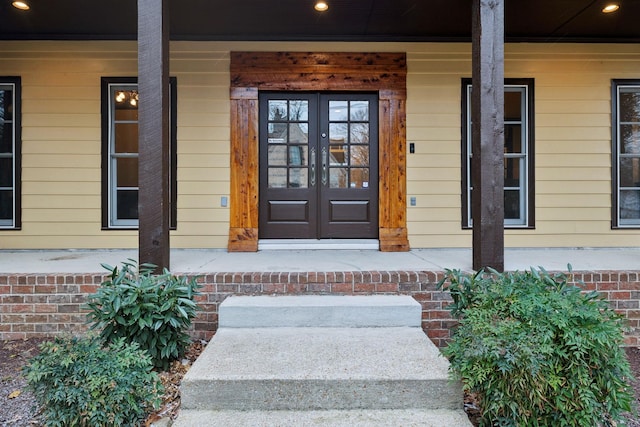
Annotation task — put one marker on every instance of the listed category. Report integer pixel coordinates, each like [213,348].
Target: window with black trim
[519,192]
[10,153]
[120,152]
[626,153]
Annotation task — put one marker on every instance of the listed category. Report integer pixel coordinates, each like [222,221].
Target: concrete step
[320,369]
[353,418]
[334,311]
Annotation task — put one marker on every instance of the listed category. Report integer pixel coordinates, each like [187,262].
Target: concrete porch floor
[219,260]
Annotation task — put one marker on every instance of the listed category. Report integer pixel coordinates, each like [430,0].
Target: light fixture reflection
[611,8]
[131,96]
[134,98]
[321,6]
[20,5]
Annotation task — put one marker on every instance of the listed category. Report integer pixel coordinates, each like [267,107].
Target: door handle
[312,162]
[324,165]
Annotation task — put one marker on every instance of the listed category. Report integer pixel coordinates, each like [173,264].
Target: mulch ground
[19,406]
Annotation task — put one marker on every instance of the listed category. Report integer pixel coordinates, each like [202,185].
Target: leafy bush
[536,350]
[80,383]
[153,310]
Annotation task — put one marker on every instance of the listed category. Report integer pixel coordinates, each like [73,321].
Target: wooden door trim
[303,71]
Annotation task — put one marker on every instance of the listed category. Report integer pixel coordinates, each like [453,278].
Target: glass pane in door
[349,143]
[288,139]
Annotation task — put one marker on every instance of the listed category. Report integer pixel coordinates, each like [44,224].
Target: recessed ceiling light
[321,6]
[610,8]
[20,5]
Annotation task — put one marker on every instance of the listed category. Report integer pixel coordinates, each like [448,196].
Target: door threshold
[299,244]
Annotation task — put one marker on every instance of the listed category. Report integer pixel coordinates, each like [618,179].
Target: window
[626,153]
[10,138]
[519,190]
[120,153]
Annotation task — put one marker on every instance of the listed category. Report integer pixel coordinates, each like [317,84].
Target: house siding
[61,202]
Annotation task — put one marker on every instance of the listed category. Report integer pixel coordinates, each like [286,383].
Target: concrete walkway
[219,260]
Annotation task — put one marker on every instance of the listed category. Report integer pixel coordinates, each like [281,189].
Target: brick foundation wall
[46,305]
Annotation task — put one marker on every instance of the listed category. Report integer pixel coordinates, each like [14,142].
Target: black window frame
[16,154]
[106,82]
[616,84]
[530,153]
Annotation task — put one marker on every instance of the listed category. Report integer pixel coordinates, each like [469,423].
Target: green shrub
[79,383]
[536,350]
[153,310]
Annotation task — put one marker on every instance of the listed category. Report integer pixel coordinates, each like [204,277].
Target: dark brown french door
[318,165]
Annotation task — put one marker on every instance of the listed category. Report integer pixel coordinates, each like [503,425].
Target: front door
[318,165]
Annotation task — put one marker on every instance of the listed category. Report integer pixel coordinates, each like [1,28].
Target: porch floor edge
[195,261]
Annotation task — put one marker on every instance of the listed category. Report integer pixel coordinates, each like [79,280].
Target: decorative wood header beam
[153,132]
[487,115]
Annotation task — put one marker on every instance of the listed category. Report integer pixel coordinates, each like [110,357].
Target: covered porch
[416,56]
[488,25]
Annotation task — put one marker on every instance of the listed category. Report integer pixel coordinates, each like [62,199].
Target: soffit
[348,20]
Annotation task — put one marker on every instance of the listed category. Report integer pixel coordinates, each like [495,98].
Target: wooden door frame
[251,72]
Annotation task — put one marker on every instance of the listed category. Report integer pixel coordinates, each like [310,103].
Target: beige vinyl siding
[573,141]
[203,144]
[61,202]
[434,172]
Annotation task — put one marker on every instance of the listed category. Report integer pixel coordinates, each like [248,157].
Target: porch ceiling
[348,20]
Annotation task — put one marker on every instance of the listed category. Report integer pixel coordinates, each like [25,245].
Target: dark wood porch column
[487,115]
[153,132]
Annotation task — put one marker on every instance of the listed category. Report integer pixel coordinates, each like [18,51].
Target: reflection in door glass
[359,178]
[288,131]
[359,111]
[277,177]
[349,139]
[299,133]
[277,155]
[338,177]
[359,133]
[298,110]
[359,155]
[337,155]
[278,133]
[278,110]
[337,133]
[338,111]
[298,178]
[298,155]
